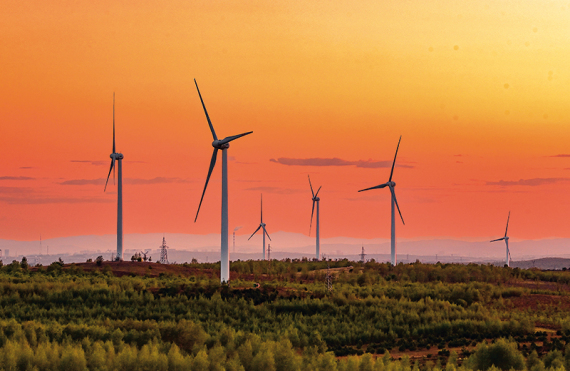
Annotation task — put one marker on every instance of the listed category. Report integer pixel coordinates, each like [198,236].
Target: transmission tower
[329,277]
[163,252]
[269,252]
[362,255]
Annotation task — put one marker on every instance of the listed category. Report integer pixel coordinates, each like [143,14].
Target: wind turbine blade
[212,164]
[110,169]
[234,137]
[312,212]
[113,122]
[311,185]
[394,163]
[376,187]
[509,217]
[254,232]
[396,201]
[206,112]
[498,239]
[267,234]
[316,194]
[262,207]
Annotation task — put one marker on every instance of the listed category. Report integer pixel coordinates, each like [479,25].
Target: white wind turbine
[117,157]
[220,145]
[390,184]
[316,199]
[261,225]
[506,238]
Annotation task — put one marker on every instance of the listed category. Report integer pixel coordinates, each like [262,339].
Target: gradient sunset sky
[479,92]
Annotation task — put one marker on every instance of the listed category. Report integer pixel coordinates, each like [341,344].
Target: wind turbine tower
[391,185]
[506,238]
[316,199]
[261,225]
[119,158]
[222,145]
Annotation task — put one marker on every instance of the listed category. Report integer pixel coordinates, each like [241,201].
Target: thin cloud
[16,178]
[157,180]
[561,155]
[96,163]
[26,167]
[335,162]
[14,190]
[101,163]
[282,191]
[132,181]
[99,181]
[234,159]
[52,200]
[528,182]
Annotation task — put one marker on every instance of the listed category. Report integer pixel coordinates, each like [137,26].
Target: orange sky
[478,91]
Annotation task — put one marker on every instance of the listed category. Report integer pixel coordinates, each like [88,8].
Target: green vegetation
[378,317]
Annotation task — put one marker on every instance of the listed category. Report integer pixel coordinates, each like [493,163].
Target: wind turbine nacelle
[391,184]
[116,156]
[316,199]
[220,145]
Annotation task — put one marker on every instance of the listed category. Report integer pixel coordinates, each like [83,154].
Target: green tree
[502,354]
[73,359]
[24,263]
[263,360]
[200,362]
[554,359]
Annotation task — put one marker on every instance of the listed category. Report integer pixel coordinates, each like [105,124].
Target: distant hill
[184,247]
[543,263]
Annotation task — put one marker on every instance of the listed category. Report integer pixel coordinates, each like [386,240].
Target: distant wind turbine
[261,225]
[234,237]
[390,184]
[316,200]
[223,145]
[117,157]
[506,238]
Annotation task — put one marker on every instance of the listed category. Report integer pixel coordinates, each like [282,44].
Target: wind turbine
[117,157]
[223,145]
[316,200]
[261,225]
[506,238]
[390,184]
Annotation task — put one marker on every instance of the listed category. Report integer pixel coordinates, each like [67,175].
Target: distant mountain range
[183,247]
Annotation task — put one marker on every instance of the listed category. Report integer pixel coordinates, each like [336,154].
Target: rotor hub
[391,184]
[316,198]
[219,145]
[116,156]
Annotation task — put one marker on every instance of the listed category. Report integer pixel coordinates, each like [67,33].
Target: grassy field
[279,315]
